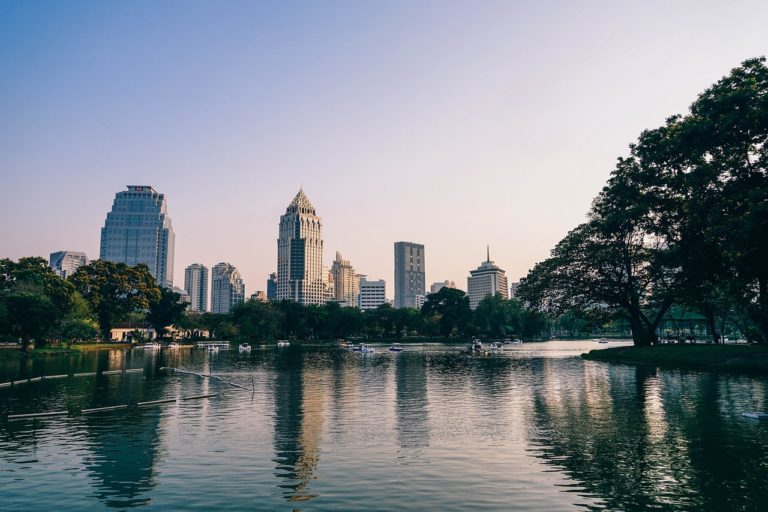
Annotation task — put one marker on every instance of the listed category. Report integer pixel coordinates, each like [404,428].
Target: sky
[455,124]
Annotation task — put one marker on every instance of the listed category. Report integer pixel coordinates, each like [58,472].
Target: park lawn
[740,358]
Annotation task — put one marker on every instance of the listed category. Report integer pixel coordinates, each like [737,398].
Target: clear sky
[452,124]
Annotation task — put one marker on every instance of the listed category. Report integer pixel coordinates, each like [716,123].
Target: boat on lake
[396,347]
[367,349]
[152,346]
[496,347]
[283,343]
[174,344]
[244,347]
[476,346]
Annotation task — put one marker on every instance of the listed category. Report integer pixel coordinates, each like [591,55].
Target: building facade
[345,281]
[409,273]
[196,285]
[272,286]
[513,289]
[139,230]
[372,293]
[65,263]
[300,253]
[227,288]
[485,280]
[436,287]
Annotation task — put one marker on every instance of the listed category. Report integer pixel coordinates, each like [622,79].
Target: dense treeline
[38,305]
[682,222]
[445,314]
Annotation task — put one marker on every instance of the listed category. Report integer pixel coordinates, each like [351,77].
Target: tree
[165,309]
[256,320]
[115,290]
[496,316]
[32,316]
[451,307]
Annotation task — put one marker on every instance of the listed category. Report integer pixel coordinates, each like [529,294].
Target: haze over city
[451,124]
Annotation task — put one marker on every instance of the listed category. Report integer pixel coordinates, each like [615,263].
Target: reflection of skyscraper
[299,416]
[300,253]
[409,274]
[411,394]
[138,230]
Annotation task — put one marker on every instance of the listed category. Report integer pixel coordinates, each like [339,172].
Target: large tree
[165,309]
[114,290]
[449,307]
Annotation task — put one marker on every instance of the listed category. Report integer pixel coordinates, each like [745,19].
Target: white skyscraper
[65,263]
[346,282]
[196,285]
[485,280]
[227,288]
[138,230]
[300,253]
[372,293]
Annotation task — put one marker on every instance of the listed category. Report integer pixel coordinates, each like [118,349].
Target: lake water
[431,428]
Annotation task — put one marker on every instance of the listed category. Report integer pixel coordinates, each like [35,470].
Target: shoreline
[732,358]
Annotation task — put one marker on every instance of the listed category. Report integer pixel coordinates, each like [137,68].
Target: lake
[430,428]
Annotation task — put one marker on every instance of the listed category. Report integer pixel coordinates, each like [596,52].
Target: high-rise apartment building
[138,230]
[300,253]
[196,285]
[485,280]
[346,282]
[272,287]
[227,288]
[409,273]
[65,263]
[372,293]
[513,289]
[436,287]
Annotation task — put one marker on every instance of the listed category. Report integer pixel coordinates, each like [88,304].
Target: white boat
[517,341]
[212,348]
[476,346]
[152,346]
[244,347]
[507,341]
[396,347]
[367,349]
[283,343]
[496,347]
[174,344]
[756,415]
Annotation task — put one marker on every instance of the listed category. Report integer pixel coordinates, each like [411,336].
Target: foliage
[114,290]
[449,309]
[165,309]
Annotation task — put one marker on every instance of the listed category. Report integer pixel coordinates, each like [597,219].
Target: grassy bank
[740,358]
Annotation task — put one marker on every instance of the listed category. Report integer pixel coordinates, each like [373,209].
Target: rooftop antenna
[488,252]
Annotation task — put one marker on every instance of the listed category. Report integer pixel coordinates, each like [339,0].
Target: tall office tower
[345,281]
[329,286]
[372,293]
[66,262]
[196,285]
[138,230]
[436,287]
[409,273]
[487,279]
[272,287]
[300,253]
[227,288]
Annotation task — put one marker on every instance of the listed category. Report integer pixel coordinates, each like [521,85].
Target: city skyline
[406,121]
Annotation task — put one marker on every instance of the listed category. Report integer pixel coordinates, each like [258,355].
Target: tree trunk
[640,335]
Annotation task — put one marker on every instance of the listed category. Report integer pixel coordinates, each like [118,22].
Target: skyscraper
[436,287]
[372,293]
[345,280]
[65,263]
[196,285]
[485,280]
[272,286]
[300,253]
[138,230]
[409,273]
[227,288]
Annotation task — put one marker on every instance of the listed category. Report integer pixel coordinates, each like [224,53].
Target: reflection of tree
[411,395]
[647,441]
[124,450]
[299,416]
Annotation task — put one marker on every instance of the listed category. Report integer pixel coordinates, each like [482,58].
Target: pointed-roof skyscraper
[300,253]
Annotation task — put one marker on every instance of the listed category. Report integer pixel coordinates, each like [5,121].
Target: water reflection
[526,430]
